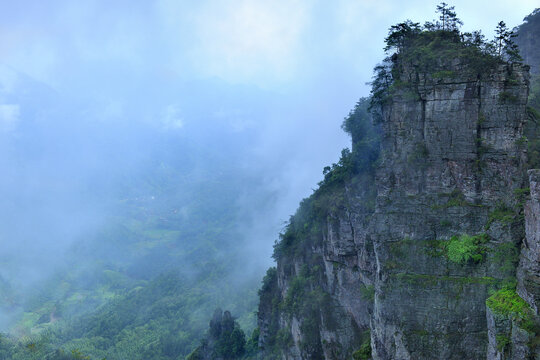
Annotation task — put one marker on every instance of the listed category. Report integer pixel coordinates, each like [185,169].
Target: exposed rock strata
[451,165]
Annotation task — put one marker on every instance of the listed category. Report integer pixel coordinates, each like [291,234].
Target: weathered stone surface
[529,266]
[451,154]
[451,158]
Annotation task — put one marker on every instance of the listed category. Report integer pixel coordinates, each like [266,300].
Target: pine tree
[448,17]
[501,34]
[505,46]
[400,33]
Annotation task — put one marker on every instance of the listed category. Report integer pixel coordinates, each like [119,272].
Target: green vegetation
[426,52]
[506,256]
[225,340]
[364,353]
[455,198]
[158,270]
[368,292]
[465,248]
[502,342]
[508,303]
[506,97]
[425,49]
[305,299]
[354,167]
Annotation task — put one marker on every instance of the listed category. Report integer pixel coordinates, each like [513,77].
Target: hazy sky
[287,71]
[277,44]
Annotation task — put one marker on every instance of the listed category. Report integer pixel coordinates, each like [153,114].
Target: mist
[175,113]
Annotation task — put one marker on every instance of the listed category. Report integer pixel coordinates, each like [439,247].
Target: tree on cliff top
[504,43]
[429,50]
[448,17]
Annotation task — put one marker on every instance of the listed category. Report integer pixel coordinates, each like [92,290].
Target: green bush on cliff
[364,353]
[428,51]
[502,214]
[508,303]
[465,248]
[304,227]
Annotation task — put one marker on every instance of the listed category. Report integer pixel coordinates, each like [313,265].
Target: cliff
[528,41]
[414,243]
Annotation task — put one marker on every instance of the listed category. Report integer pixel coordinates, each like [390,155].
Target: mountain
[425,247]
[528,42]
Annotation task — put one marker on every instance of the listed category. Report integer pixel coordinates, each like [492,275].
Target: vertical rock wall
[451,162]
[413,273]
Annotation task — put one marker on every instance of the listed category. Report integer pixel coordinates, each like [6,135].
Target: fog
[107,107]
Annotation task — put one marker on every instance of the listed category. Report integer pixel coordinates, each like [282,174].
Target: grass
[508,303]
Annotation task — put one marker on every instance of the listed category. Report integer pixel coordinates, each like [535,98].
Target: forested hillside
[169,248]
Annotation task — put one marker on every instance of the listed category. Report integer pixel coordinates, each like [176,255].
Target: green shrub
[506,97]
[465,248]
[502,342]
[368,292]
[508,303]
[364,353]
[502,214]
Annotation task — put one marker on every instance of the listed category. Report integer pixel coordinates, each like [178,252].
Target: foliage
[429,49]
[504,44]
[307,301]
[225,339]
[448,18]
[507,302]
[502,342]
[502,214]
[252,344]
[368,292]
[506,97]
[365,137]
[141,287]
[364,353]
[465,248]
[304,227]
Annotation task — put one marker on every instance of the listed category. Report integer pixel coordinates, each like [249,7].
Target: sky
[280,45]
[84,82]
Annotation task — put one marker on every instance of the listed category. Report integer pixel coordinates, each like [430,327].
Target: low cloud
[9,117]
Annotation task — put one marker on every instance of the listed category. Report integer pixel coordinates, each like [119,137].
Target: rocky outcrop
[528,42]
[512,316]
[451,164]
[529,266]
[224,341]
[406,256]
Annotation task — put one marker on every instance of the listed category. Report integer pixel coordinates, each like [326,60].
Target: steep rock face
[529,267]
[528,42]
[452,158]
[512,316]
[329,318]
[412,273]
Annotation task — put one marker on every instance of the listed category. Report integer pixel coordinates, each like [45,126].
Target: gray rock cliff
[400,263]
